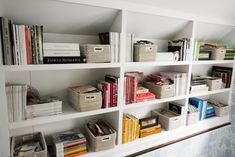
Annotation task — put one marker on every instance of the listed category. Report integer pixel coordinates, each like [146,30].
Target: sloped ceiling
[220,9]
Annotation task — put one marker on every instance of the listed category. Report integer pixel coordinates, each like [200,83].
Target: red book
[27,44]
[74,144]
[145,97]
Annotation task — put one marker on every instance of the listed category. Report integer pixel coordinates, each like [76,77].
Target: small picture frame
[148,122]
[204,55]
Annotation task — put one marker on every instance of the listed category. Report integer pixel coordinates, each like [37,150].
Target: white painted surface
[80,23]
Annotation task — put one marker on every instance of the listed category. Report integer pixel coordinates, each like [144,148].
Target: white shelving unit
[80,21]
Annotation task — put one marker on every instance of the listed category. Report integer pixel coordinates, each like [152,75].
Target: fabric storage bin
[167,119]
[96,53]
[85,98]
[192,118]
[214,84]
[218,54]
[144,52]
[33,137]
[98,143]
[161,91]
[221,111]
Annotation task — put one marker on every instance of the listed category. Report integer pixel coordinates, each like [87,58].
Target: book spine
[64,60]
[40,42]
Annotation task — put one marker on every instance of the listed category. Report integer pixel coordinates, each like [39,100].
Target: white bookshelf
[81,21]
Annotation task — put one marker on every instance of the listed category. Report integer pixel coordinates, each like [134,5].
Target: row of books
[134,91]
[205,110]
[109,88]
[20,44]
[24,102]
[113,39]
[182,46]
[130,128]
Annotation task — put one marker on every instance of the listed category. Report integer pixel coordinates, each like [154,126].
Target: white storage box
[96,53]
[144,52]
[168,120]
[192,118]
[85,98]
[33,137]
[214,84]
[98,143]
[218,54]
[163,91]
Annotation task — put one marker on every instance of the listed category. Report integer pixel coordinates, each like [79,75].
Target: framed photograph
[148,122]
[204,55]
[223,72]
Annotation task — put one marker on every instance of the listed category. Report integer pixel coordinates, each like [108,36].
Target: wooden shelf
[68,113]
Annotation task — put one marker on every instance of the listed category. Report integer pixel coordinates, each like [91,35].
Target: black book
[64,60]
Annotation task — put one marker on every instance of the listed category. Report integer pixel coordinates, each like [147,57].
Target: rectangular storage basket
[37,137]
[163,91]
[96,53]
[143,53]
[100,142]
[85,101]
[218,54]
[168,123]
[215,84]
[221,111]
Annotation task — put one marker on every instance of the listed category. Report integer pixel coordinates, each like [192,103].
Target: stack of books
[16,101]
[62,53]
[182,46]
[198,84]
[21,44]
[134,90]
[69,143]
[143,94]
[113,39]
[180,80]
[230,53]
[149,126]
[109,88]
[130,128]
[201,106]
[210,111]
[45,106]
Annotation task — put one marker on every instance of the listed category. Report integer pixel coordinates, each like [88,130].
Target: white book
[20,54]
[61,53]
[23,44]
[116,46]
[60,46]
[111,41]
[183,84]
[24,100]
[164,56]
[128,47]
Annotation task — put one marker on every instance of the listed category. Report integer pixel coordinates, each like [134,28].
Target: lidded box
[85,98]
[144,51]
[96,53]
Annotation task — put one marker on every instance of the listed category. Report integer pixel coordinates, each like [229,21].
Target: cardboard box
[164,91]
[96,53]
[221,111]
[192,118]
[218,54]
[167,119]
[85,98]
[35,137]
[145,52]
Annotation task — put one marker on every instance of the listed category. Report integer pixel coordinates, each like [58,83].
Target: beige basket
[164,91]
[221,111]
[37,137]
[218,54]
[143,53]
[168,122]
[96,53]
[100,142]
[214,84]
[85,101]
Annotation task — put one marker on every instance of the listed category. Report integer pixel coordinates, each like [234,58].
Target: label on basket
[149,49]
[27,137]
[98,49]
[90,97]
[106,138]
